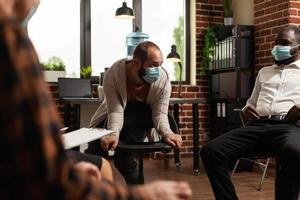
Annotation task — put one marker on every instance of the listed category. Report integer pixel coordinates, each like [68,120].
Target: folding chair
[256,159]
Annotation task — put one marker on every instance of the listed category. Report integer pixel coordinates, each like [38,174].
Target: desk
[195,106]
[75,104]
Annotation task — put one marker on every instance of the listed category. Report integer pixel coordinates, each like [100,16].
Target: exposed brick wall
[269,17]
[208,13]
[186,120]
[294,12]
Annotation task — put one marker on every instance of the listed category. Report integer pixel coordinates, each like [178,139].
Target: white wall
[86,113]
[243,11]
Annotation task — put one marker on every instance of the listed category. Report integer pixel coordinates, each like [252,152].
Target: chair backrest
[138,116]
[74,88]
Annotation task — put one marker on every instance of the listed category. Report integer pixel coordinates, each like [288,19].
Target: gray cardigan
[115,100]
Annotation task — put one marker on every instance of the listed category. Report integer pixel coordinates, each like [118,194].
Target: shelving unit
[231,76]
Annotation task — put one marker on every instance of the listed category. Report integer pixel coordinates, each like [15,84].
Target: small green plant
[207,51]
[86,72]
[46,67]
[227,8]
[54,64]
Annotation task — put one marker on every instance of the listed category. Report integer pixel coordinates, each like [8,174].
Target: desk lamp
[174,57]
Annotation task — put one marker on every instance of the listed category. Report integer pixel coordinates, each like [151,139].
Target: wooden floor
[245,182]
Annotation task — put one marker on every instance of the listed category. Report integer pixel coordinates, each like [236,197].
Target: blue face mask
[281,53]
[151,74]
[29,15]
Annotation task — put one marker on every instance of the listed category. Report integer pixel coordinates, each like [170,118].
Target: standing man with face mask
[140,80]
[273,114]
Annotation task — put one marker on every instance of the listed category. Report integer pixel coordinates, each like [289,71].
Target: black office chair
[139,116]
[257,159]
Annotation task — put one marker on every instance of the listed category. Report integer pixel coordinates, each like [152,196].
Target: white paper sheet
[82,136]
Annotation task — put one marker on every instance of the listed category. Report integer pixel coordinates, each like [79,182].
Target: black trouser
[124,161]
[278,137]
[77,156]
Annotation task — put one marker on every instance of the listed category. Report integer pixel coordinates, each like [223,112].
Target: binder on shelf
[218,109]
[231,77]
[234,48]
[223,110]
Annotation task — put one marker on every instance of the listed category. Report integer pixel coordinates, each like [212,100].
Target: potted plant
[228,13]
[86,72]
[53,69]
[207,51]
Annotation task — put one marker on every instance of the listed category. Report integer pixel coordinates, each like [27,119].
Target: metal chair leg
[177,158]
[264,174]
[141,169]
[235,166]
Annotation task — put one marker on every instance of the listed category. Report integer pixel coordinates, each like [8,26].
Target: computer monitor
[74,88]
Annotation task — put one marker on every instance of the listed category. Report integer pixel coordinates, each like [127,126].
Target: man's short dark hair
[141,50]
[292,28]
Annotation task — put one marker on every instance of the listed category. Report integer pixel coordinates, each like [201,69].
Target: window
[166,26]
[55,33]
[108,34]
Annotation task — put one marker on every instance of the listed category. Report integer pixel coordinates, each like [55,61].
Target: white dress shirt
[276,90]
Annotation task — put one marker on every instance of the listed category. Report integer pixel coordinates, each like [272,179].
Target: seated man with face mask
[140,80]
[273,114]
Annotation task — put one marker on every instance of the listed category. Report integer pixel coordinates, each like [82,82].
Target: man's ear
[294,50]
[137,62]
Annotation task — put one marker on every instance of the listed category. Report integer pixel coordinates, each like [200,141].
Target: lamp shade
[124,12]
[173,56]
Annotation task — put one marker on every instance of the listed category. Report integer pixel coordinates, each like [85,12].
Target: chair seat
[145,147]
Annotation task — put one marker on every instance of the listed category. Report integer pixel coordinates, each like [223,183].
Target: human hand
[172,139]
[167,190]
[88,168]
[250,113]
[109,142]
[293,114]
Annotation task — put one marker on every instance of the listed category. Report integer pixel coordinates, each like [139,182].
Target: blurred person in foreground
[33,162]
